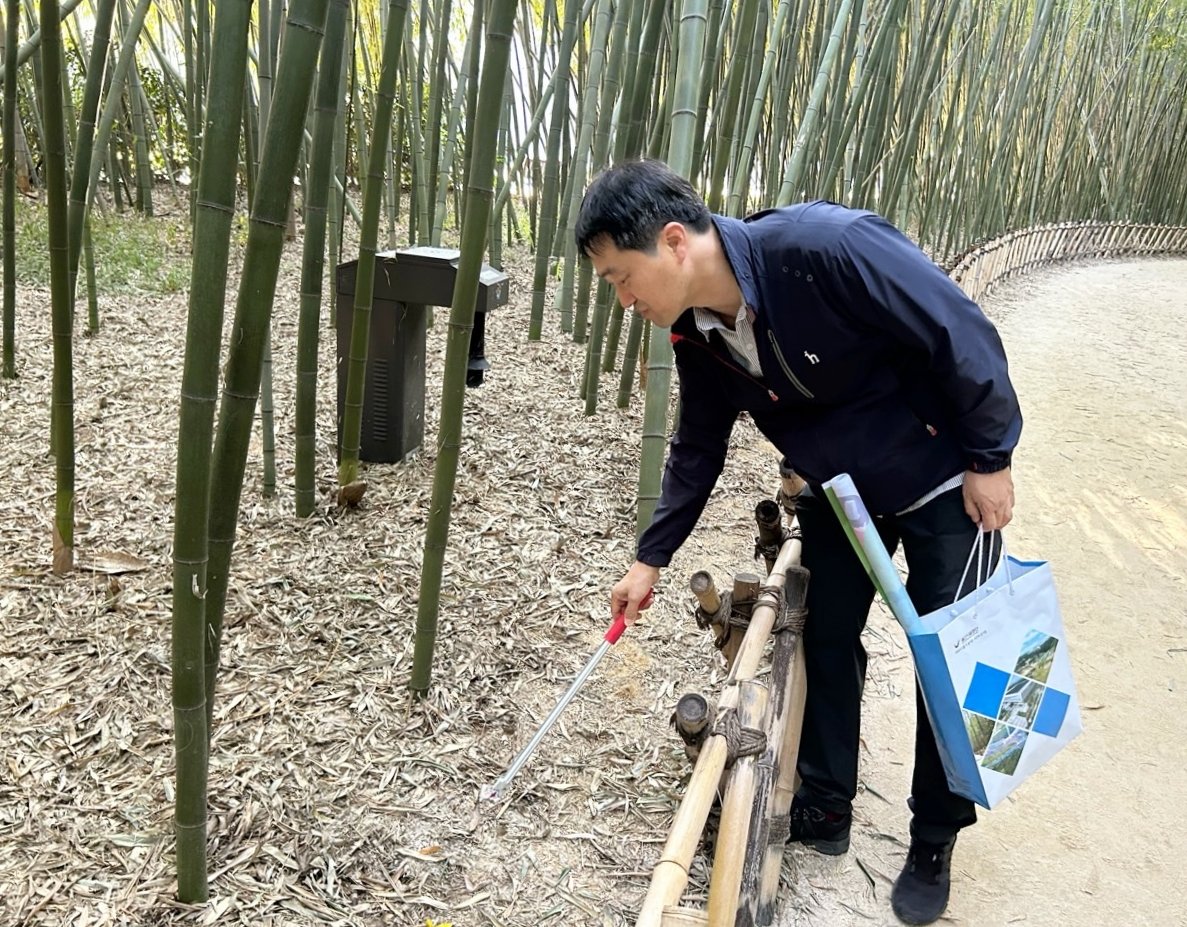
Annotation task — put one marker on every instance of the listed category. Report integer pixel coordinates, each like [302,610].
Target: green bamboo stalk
[338,196]
[215,199]
[712,76]
[536,169]
[54,149]
[352,422]
[201,64]
[807,133]
[24,167]
[251,140]
[253,308]
[461,322]
[256,127]
[580,168]
[103,133]
[418,217]
[140,141]
[175,89]
[601,150]
[631,134]
[840,166]
[85,145]
[736,202]
[88,259]
[269,49]
[613,336]
[437,85]
[502,144]
[169,87]
[630,358]
[267,421]
[67,99]
[395,180]
[418,210]
[312,267]
[660,361]
[11,36]
[546,233]
[650,44]
[192,115]
[449,151]
[595,332]
[727,116]
[630,67]
[116,176]
[32,83]
[357,114]
[471,58]
[264,74]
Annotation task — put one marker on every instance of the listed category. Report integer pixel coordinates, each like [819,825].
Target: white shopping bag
[993,667]
[997,680]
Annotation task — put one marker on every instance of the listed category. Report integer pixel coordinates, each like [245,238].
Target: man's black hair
[630,202]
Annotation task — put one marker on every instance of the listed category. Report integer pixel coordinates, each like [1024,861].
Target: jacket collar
[735,241]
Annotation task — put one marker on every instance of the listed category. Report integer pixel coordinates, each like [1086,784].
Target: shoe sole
[837,847]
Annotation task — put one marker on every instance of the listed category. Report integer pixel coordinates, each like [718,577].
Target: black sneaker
[824,831]
[920,892]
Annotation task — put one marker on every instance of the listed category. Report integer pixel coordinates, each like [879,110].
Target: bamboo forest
[324,444]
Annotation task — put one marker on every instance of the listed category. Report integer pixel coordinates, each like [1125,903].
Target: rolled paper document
[869,547]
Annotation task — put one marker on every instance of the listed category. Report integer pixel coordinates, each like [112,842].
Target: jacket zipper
[675,338]
[787,370]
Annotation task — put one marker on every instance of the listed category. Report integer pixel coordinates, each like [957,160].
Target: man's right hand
[632,589]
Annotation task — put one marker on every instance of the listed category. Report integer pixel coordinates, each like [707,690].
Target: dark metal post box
[406,281]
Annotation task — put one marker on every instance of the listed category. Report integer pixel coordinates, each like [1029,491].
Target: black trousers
[936,539]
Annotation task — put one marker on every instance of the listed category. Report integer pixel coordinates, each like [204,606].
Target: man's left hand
[989,498]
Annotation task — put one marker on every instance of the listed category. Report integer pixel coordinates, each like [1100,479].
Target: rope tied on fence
[736,613]
[789,618]
[739,741]
[771,596]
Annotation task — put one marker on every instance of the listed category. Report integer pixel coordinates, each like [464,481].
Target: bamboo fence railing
[979,270]
[755,735]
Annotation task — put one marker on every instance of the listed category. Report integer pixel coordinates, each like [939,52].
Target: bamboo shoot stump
[768,516]
[691,720]
[741,611]
[705,590]
[791,485]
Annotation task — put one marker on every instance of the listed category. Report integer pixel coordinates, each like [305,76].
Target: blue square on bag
[1052,711]
[986,690]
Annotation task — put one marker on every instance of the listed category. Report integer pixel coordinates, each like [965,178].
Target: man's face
[651,283]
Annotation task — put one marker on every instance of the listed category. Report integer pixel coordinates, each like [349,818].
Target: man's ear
[675,236]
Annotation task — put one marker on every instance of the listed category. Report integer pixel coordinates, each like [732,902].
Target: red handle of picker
[618,625]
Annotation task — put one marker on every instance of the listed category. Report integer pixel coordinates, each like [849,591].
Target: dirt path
[1099,357]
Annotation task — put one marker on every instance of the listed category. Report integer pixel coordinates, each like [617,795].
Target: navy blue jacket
[874,363]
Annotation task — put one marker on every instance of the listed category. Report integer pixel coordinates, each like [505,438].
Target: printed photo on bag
[980,730]
[1005,749]
[1038,653]
[1021,702]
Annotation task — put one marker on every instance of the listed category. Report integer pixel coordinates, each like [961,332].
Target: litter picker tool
[497,789]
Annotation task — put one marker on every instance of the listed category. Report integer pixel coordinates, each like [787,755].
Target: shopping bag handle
[986,558]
